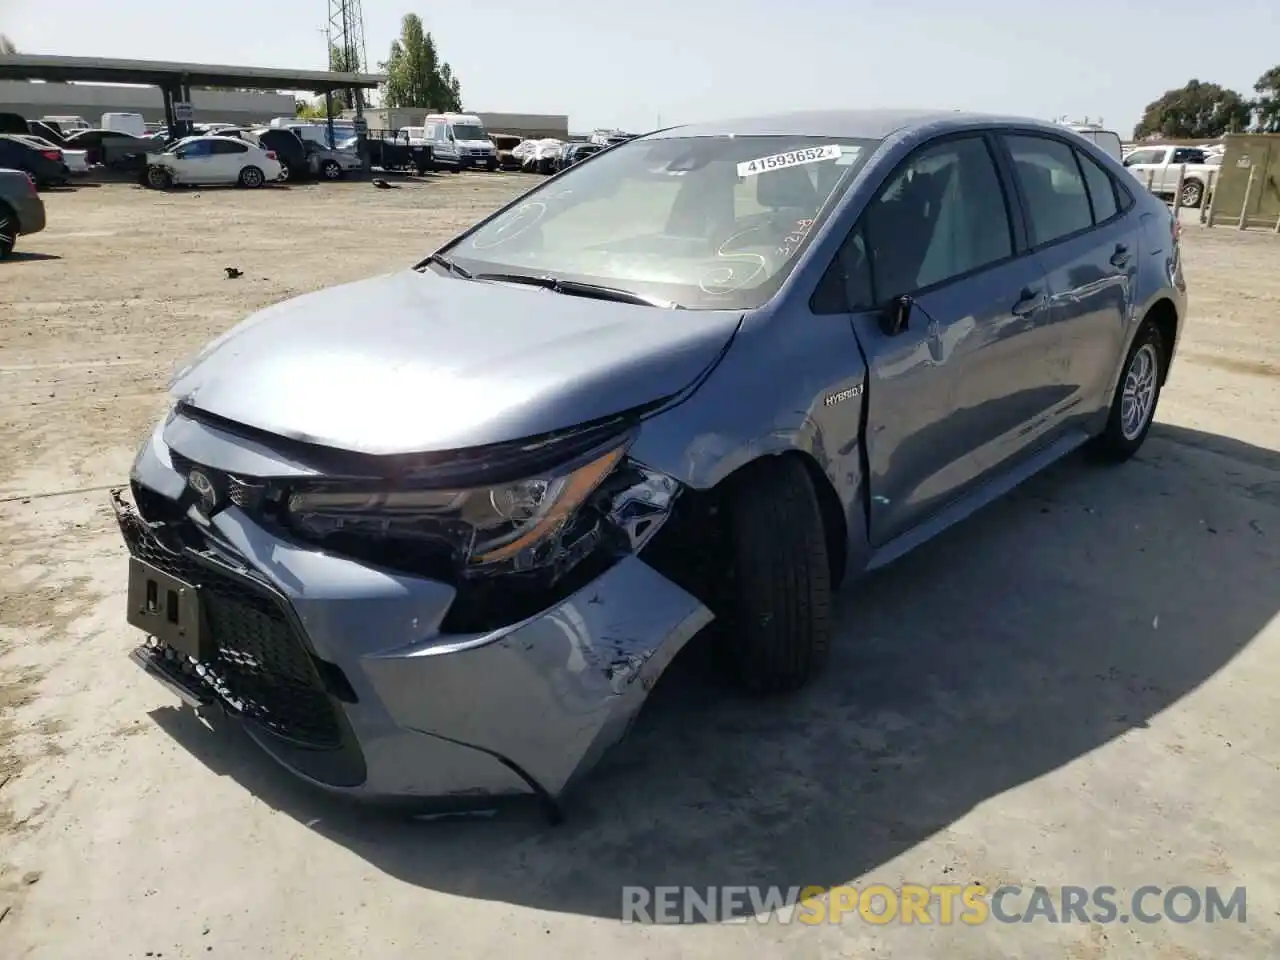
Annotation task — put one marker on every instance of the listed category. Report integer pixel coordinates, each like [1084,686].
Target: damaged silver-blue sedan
[437,534]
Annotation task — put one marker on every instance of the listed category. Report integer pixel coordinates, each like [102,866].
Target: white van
[131,123]
[459,141]
[1106,140]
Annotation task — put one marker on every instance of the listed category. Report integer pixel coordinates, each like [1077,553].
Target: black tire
[1127,429]
[775,631]
[457,169]
[285,174]
[158,178]
[8,231]
[331,170]
[252,178]
[1192,193]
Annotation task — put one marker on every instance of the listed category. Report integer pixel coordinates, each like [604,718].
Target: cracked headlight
[479,525]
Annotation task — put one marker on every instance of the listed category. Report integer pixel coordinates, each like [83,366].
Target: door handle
[1029,301]
[1121,255]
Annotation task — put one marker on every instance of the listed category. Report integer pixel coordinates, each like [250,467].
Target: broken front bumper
[342,674]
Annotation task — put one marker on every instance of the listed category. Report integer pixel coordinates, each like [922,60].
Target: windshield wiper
[577,288]
[441,260]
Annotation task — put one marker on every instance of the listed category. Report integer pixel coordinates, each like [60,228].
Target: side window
[847,283]
[1102,189]
[1144,156]
[197,148]
[1052,187]
[942,214]
[220,146]
[1188,155]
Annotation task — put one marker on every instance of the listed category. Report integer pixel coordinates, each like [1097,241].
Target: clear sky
[630,62]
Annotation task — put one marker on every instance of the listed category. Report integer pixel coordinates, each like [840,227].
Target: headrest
[789,187]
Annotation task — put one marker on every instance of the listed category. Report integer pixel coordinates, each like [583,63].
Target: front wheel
[331,170]
[8,231]
[775,629]
[284,173]
[1133,406]
[158,178]
[252,178]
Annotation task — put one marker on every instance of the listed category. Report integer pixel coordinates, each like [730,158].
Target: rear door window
[1102,189]
[1052,187]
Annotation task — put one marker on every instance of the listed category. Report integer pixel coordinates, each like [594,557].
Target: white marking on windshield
[792,158]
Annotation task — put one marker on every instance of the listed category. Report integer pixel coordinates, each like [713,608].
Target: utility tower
[346,33]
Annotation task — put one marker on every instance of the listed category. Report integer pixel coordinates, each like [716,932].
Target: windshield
[469,131]
[704,222]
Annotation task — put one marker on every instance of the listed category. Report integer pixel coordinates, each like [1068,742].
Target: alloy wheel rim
[1138,399]
[8,231]
[1190,194]
[252,177]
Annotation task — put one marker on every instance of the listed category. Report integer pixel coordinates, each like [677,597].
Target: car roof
[870,124]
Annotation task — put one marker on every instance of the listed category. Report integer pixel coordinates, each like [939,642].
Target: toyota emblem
[203,486]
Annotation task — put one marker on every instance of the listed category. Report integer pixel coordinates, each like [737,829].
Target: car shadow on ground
[18,256]
[1044,627]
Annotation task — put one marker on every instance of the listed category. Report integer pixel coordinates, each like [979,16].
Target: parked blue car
[437,534]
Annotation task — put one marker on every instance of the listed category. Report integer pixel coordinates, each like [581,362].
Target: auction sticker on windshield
[792,158]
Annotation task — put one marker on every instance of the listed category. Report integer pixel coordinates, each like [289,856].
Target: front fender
[769,396]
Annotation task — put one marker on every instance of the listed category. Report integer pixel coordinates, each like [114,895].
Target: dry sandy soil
[1078,686]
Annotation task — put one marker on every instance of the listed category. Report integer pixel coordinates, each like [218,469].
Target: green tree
[416,77]
[1196,111]
[1267,107]
[6,45]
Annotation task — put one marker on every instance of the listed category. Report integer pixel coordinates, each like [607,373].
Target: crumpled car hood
[414,362]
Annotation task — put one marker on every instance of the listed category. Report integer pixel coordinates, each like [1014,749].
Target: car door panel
[950,394]
[1088,249]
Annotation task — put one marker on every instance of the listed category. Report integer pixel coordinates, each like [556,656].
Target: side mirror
[896,316]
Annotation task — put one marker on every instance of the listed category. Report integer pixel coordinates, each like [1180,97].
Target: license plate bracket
[166,607]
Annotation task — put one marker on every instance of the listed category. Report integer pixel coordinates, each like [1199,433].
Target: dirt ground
[1076,687]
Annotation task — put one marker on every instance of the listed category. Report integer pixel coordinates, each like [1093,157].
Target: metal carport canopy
[164,74]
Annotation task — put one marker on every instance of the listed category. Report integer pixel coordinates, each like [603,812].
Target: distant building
[92,100]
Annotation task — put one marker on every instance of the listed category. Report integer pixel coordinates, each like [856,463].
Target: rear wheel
[1133,407]
[252,178]
[775,629]
[331,170]
[8,231]
[1192,193]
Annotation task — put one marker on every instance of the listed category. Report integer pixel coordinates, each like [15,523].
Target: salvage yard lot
[1076,687]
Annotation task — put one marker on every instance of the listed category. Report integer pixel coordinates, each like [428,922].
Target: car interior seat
[900,230]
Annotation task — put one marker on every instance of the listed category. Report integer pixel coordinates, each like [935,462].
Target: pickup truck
[1166,162]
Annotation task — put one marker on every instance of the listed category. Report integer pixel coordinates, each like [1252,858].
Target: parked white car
[541,155]
[1162,164]
[211,160]
[76,160]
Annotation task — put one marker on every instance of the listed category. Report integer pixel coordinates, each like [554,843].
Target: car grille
[259,667]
